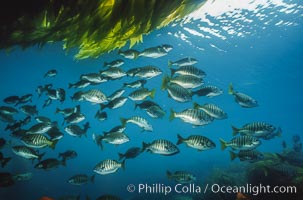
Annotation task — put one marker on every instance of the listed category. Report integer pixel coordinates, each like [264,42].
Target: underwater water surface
[259,52]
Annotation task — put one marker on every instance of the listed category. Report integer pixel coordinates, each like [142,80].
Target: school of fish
[34,133]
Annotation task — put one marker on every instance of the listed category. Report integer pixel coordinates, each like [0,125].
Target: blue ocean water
[266,64]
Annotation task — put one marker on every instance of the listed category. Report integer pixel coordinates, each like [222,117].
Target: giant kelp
[95,27]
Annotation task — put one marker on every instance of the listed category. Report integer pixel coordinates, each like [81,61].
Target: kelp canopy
[93,26]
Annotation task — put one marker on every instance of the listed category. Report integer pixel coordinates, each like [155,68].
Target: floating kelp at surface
[95,27]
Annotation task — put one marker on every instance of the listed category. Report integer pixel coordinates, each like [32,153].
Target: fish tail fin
[98,140]
[172,114]
[180,139]
[123,164]
[40,156]
[230,89]
[170,63]
[196,105]
[105,64]
[5,161]
[168,174]
[120,156]
[279,132]
[233,155]
[64,159]
[142,84]
[165,81]
[92,178]
[172,72]
[57,110]
[136,55]
[223,144]
[123,121]
[144,146]
[53,144]
[70,85]
[102,106]
[235,130]
[78,109]
[63,162]
[152,93]
[136,105]
[86,126]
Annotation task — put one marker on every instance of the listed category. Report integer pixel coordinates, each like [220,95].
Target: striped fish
[212,110]
[119,129]
[161,146]
[183,62]
[197,142]
[256,129]
[181,176]
[135,84]
[80,84]
[38,141]
[247,155]
[40,128]
[114,63]
[176,91]
[148,72]
[77,131]
[155,112]
[146,105]
[42,119]
[153,52]
[130,53]
[271,135]
[192,116]
[81,179]
[132,71]
[140,121]
[242,99]
[93,78]
[68,111]
[116,94]
[27,152]
[141,94]
[113,104]
[186,81]
[7,110]
[113,73]
[188,70]
[74,118]
[115,138]
[108,166]
[209,91]
[241,143]
[94,96]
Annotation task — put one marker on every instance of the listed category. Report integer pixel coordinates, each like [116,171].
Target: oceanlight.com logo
[159,188]
[253,189]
